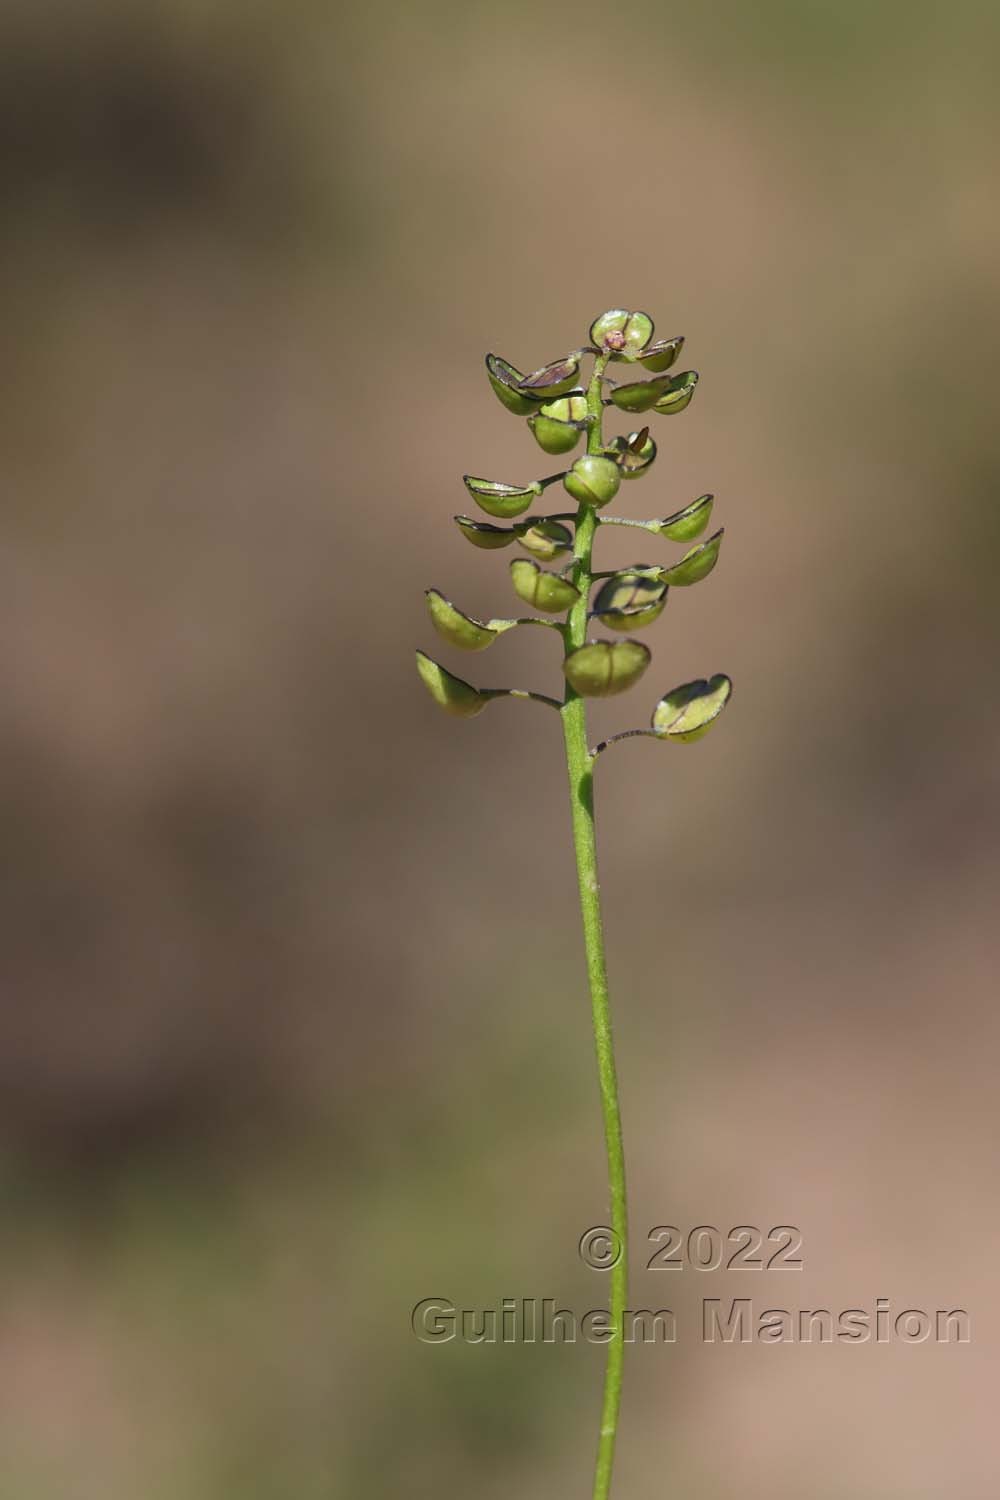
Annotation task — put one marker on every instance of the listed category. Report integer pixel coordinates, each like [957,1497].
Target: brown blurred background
[294,1027]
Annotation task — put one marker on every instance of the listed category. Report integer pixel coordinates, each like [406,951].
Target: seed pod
[502,500]
[684,525]
[633,454]
[603,668]
[678,394]
[628,601]
[450,692]
[641,395]
[547,539]
[458,629]
[482,534]
[621,333]
[505,380]
[558,424]
[593,480]
[690,710]
[551,380]
[545,591]
[660,356]
[696,564]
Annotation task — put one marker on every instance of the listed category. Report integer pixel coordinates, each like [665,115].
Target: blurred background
[294,1027]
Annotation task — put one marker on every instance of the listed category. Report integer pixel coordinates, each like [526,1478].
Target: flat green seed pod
[553,436]
[603,668]
[551,380]
[547,539]
[690,710]
[558,425]
[678,394]
[620,332]
[458,629]
[641,395]
[502,500]
[449,692]
[684,525]
[482,534]
[660,356]
[628,601]
[696,564]
[570,408]
[633,454]
[593,480]
[505,379]
[546,591]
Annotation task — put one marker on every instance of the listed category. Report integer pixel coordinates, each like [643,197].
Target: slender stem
[653,573]
[581,782]
[624,521]
[502,625]
[625,734]
[521,693]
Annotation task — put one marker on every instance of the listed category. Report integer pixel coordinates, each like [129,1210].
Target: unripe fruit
[633,454]
[558,425]
[593,480]
[455,627]
[696,564]
[677,394]
[603,668]
[504,378]
[448,691]
[630,600]
[505,501]
[687,524]
[544,590]
[547,539]
[551,380]
[689,712]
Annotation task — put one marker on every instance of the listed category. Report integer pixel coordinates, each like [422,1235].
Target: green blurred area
[294,1030]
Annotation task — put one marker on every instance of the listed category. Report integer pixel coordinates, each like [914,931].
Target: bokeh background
[294,1029]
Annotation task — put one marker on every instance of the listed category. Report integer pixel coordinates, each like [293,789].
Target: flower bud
[482,534]
[629,601]
[660,356]
[458,629]
[593,480]
[551,380]
[678,393]
[449,692]
[547,539]
[546,591]
[558,424]
[690,710]
[502,500]
[633,454]
[684,525]
[621,333]
[603,668]
[696,564]
[505,380]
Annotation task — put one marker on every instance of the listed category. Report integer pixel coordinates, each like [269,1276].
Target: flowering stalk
[559,412]
[580,764]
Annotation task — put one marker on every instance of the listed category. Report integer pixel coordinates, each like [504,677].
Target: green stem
[624,521]
[625,734]
[521,693]
[580,765]
[500,626]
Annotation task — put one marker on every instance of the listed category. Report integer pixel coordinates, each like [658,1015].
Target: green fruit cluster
[561,409]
